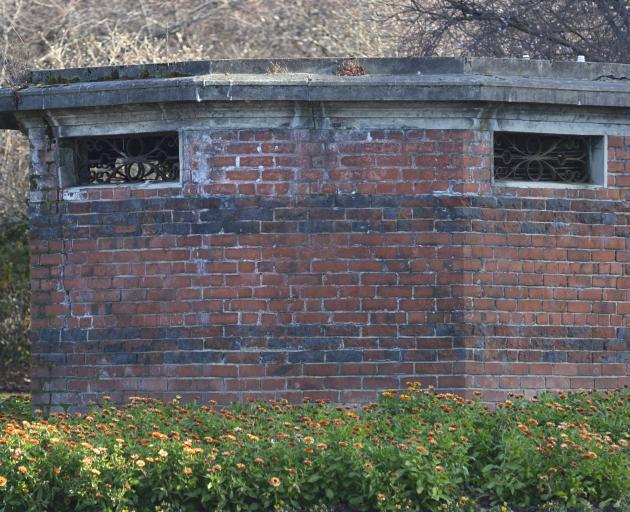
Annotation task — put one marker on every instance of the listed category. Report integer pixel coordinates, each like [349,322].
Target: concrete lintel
[341,115]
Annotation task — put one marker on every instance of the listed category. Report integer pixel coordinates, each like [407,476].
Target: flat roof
[427,79]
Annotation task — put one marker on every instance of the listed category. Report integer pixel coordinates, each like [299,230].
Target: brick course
[328,264]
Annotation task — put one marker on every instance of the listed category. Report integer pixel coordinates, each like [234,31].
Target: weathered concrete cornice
[316,80]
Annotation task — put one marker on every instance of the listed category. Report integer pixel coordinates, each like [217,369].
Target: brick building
[327,229]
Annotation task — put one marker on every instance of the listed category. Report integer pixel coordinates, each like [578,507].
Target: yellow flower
[188,471]
[163,453]
[3,481]
[95,472]
[380,497]
[275,481]
[22,469]
[140,463]
[240,466]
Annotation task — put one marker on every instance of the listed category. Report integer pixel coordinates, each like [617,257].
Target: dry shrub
[351,68]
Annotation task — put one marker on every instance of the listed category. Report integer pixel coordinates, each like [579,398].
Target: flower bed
[414,450]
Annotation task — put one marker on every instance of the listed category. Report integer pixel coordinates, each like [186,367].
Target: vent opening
[548,158]
[119,159]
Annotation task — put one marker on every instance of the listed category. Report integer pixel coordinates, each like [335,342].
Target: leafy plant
[413,450]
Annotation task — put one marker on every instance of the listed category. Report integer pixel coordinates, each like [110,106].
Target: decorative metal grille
[128,159]
[536,157]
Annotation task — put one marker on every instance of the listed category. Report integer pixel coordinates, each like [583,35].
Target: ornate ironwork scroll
[536,157]
[128,159]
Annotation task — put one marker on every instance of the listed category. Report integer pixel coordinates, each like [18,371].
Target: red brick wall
[331,265]
[549,301]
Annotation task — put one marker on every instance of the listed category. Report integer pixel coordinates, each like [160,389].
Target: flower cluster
[415,449]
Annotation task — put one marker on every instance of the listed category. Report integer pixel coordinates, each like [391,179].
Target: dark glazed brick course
[328,264]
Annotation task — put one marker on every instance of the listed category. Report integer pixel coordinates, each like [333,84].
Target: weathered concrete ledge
[318,80]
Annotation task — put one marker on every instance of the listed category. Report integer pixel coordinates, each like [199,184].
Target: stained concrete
[452,80]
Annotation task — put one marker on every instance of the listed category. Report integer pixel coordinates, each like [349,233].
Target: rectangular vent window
[548,158]
[127,159]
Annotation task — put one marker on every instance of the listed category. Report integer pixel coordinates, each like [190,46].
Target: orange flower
[22,469]
[3,481]
[188,471]
[308,440]
[275,481]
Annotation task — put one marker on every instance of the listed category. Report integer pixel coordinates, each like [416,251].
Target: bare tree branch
[597,29]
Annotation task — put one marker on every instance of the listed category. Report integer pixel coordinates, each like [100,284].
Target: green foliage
[412,451]
[14,304]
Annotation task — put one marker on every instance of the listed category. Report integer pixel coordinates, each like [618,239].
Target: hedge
[413,450]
